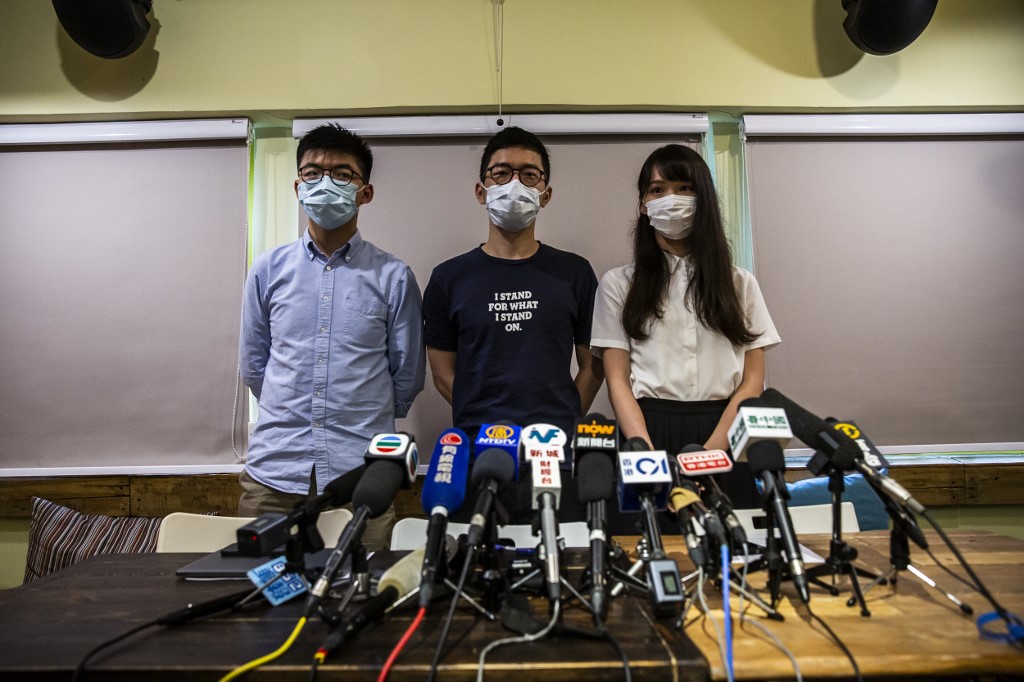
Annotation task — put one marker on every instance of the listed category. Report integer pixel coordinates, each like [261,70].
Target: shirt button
[320,359]
[317,393]
[324,298]
[348,258]
[323,329]
[328,267]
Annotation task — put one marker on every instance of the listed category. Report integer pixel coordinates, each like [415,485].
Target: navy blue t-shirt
[513,325]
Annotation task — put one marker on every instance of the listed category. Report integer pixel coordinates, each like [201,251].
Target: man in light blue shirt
[332,338]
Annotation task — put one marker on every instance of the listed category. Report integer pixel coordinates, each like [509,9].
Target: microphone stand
[840,555]
[899,560]
[664,586]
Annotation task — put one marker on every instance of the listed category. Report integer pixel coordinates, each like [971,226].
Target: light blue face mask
[328,205]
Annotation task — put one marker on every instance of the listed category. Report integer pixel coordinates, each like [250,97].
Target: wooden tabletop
[47,626]
[913,629]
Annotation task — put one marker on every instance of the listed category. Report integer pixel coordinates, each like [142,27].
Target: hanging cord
[555,611]
[251,665]
[1014,624]
[401,644]
[499,49]
[776,642]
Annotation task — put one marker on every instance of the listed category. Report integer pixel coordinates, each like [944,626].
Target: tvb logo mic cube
[395,447]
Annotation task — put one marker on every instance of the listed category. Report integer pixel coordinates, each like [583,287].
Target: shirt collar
[675,261]
[348,252]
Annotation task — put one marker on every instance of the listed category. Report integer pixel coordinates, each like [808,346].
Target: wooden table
[48,625]
[912,631]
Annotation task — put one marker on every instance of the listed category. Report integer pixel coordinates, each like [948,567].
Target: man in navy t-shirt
[504,320]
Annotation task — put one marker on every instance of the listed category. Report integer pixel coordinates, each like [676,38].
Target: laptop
[228,564]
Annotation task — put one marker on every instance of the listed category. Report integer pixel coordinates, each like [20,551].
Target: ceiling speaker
[886,26]
[106,28]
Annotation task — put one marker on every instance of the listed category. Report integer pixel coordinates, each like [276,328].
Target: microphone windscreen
[445,484]
[596,477]
[766,455]
[636,444]
[378,487]
[493,463]
[804,425]
[404,575]
[342,488]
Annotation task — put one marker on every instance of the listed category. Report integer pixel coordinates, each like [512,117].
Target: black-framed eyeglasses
[502,174]
[340,176]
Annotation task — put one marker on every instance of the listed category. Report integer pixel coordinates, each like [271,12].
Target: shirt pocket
[366,323]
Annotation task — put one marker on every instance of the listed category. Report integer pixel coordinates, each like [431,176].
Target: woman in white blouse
[681,331]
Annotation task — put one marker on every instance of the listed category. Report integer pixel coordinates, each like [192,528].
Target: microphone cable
[726,610]
[720,640]
[401,644]
[835,638]
[110,642]
[439,651]
[556,611]
[232,601]
[776,642]
[277,653]
[1014,625]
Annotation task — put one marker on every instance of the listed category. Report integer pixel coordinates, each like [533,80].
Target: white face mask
[672,215]
[513,206]
[328,205]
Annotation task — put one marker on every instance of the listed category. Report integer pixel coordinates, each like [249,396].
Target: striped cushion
[59,537]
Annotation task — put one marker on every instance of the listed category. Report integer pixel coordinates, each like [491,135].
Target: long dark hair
[711,291]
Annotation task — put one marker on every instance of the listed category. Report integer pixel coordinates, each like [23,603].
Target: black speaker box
[886,26]
[106,28]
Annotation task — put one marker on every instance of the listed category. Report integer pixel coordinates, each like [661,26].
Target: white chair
[808,518]
[184,532]
[411,533]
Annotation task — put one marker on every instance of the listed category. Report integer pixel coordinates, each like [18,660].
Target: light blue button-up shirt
[332,348]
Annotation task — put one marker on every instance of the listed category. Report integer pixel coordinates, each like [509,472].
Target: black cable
[959,578]
[979,586]
[839,643]
[313,669]
[110,642]
[438,653]
[604,633]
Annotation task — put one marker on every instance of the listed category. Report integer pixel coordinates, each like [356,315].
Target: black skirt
[672,425]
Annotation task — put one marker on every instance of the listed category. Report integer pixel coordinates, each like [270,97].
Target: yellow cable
[241,670]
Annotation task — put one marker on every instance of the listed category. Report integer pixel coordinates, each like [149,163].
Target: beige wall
[266,59]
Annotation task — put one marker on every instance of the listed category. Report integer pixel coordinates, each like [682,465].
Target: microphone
[502,436]
[644,480]
[643,475]
[546,483]
[694,461]
[391,464]
[700,512]
[492,471]
[444,491]
[845,446]
[545,441]
[682,501]
[264,534]
[758,435]
[396,582]
[596,446]
[206,608]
